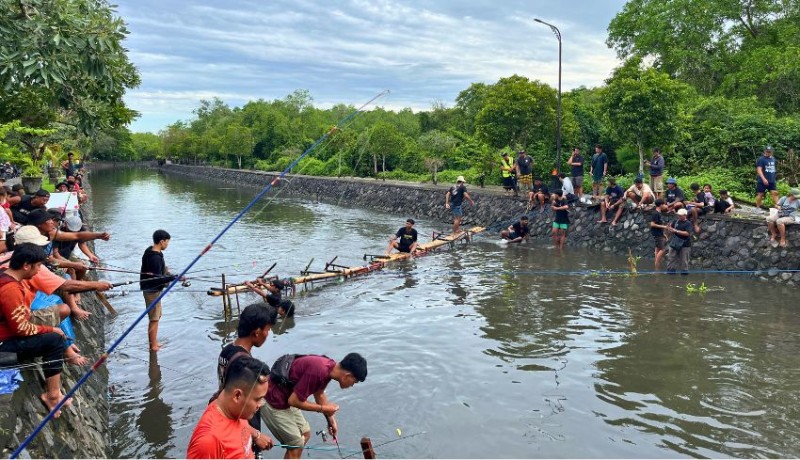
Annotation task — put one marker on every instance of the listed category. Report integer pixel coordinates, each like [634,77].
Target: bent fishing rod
[183,273]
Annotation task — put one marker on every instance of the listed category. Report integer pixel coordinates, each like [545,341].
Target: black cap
[410,221]
[38,217]
[55,214]
[638,180]
[280,284]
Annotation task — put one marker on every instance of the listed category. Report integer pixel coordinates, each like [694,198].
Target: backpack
[279,374]
[235,356]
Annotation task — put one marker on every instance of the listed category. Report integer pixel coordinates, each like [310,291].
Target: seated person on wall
[641,194]
[567,188]
[517,232]
[697,205]
[408,239]
[724,204]
[538,195]
[21,336]
[613,200]
[675,196]
[28,204]
[64,249]
[787,214]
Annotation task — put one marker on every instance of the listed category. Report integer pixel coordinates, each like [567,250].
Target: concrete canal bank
[726,243]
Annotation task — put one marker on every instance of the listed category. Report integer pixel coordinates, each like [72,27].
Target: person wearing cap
[64,249]
[507,171]
[675,195]
[640,193]
[613,200]
[517,232]
[598,169]
[62,187]
[274,289]
[407,236]
[524,170]
[290,388]
[656,172]
[767,177]
[575,163]
[787,214]
[28,204]
[453,200]
[680,243]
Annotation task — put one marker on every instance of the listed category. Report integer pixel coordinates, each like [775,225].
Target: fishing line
[401,438]
[183,273]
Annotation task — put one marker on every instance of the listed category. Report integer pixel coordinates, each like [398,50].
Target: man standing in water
[296,377]
[152,278]
[453,200]
[408,239]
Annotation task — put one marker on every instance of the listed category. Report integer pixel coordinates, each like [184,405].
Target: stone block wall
[725,243]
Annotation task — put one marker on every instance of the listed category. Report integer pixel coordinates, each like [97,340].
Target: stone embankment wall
[81,430]
[725,243]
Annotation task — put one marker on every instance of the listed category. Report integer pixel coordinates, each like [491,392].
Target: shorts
[403,248]
[761,188]
[577,181]
[513,236]
[286,425]
[457,211]
[526,180]
[661,242]
[47,316]
[657,184]
[558,226]
[597,179]
[781,220]
[155,313]
[508,183]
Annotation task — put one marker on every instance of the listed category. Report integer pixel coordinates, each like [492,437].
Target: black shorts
[509,183]
[661,242]
[404,248]
[761,188]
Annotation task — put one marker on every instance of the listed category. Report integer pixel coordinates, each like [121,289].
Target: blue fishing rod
[183,273]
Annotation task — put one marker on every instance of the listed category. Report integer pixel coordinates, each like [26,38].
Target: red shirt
[15,310]
[312,374]
[217,436]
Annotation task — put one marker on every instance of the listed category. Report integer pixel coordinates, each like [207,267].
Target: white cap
[682,212]
[73,223]
[30,234]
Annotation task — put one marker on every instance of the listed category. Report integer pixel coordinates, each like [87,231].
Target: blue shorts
[761,188]
[457,211]
[43,300]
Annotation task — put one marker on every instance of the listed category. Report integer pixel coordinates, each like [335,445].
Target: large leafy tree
[730,47]
[642,106]
[63,61]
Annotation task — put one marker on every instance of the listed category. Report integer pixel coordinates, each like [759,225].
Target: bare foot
[73,356]
[772,238]
[155,347]
[51,403]
[782,244]
[80,314]
[602,221]
[613,224]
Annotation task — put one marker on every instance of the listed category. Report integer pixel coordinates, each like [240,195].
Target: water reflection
[155,421]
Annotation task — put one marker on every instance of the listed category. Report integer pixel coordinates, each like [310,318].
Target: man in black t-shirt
[153,276]
[657,227]
[453,200]
[407,239]
[538,194]
[675,195]
[29,203]
[576,170]
[681,232]
[517,231]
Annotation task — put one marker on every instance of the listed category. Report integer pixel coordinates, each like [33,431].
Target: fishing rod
[183,273]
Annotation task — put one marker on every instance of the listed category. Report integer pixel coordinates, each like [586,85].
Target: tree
[64,61]
[518,111]
[238,140]
[436,145]
[642,106]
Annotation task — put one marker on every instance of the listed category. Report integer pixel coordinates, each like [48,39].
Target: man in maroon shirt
[303,376]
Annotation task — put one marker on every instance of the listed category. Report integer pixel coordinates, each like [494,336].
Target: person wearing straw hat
[787,214]
[453,201]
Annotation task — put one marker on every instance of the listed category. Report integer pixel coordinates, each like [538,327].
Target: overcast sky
[347,51]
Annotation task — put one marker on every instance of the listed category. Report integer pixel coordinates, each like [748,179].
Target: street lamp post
[557,33]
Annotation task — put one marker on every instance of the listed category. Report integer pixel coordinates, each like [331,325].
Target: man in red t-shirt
[223,430]
[18,334]
[307,375]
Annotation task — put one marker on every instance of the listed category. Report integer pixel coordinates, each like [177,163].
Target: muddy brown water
[482,351]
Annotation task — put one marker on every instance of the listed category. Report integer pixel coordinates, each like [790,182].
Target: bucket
[773,213]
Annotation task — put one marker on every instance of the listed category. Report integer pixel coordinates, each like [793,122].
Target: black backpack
[279,374]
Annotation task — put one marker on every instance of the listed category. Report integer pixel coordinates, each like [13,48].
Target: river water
[481,351]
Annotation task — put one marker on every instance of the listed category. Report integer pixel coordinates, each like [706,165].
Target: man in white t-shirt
[640,193]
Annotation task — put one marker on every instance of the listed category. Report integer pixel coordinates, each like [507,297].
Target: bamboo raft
[333,271]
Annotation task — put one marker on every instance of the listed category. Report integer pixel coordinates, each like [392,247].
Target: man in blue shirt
[613,201]
[767,177]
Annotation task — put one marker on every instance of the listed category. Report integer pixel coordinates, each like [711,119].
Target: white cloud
[347,51]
